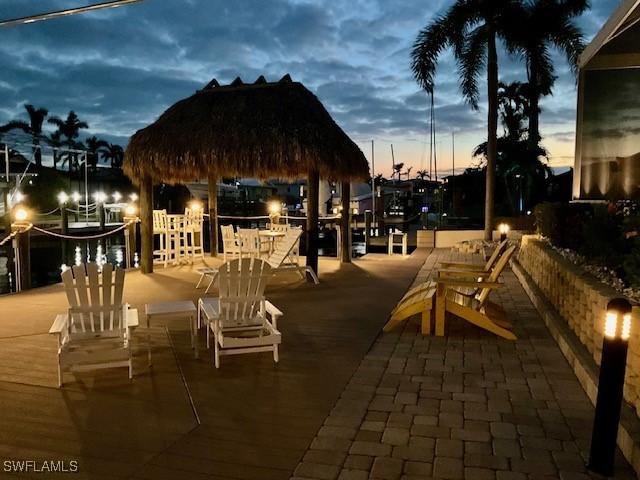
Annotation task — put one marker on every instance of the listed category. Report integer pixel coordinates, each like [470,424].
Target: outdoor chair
[194,232]
[240,319]
[230,245]
[474,267]
[250,243]
[468,298]
[160,227]
[284,258]
[96,330]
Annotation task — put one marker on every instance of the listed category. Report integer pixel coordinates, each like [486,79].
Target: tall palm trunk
[492,134]
[534,112]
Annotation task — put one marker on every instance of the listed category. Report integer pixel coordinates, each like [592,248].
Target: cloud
[119,69]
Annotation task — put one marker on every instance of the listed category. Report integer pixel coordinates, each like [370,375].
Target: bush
[562,223]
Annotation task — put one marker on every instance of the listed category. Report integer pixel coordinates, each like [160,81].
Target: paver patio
[183,419]
[465,406]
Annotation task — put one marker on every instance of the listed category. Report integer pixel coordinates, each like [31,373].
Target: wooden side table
[392,242]
[181,309]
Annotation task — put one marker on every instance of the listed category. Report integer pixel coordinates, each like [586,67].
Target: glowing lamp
[195,206]
[21,214]
[63,198]
[133,197]
[131,211]
[18,197]
[615,344]
[100,197]
[503,228]
[274,208]
[116,196]
[76,197]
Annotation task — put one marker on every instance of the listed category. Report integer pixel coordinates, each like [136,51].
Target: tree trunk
[213,214]
[313,199]
[345,227]
[37,153]
[492,135]
[146,228]
[534,111]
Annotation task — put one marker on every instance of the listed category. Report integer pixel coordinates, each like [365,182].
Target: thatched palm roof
[261,130]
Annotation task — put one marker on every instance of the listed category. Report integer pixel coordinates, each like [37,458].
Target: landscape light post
[503,228]
[22,248]
[615,344]
[63,201]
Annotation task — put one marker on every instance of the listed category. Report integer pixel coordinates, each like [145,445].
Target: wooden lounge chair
[470,289]
[426,291]
[96,331]
[241,319]
[467,298]
[283,258]
[474,267]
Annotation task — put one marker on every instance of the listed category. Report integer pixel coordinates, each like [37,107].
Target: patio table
[172,310]
[270,236]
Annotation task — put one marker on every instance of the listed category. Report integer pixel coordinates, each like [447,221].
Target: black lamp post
[610,386]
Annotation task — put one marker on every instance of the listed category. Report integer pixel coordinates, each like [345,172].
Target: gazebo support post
[213,213]
[146,224]
[313,198]
[345,220]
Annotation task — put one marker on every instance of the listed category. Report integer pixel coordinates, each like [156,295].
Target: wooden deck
[183,419]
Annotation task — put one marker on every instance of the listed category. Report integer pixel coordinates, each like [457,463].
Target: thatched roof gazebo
[261,130]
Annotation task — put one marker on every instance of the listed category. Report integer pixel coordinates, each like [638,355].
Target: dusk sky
[119,69]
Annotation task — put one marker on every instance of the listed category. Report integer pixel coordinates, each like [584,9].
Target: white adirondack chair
[241,319]
[230,244]
[96,331]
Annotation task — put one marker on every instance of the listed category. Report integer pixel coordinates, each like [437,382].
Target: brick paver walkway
[466,406]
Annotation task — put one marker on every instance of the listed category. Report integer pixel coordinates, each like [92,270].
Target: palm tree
[516,161]
[423,174]
[471,28]
[114,154]
[397,169]
[69,130]
[33,127]
[546,24]
[55,142]
[95,147]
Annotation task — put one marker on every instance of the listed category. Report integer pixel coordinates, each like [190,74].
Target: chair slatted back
[494,256]
[284,247]
[241,290]
[95,299]
[249,239]
[228,238]
[194,219]
[159,220]
[483,293]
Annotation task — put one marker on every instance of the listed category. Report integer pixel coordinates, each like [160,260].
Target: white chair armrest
[59,324]
[272,312]
[132,318]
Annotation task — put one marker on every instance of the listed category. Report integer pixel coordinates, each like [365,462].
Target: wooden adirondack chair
[250,243]
[467,298]
[96,331]
[474,267]
[241,319]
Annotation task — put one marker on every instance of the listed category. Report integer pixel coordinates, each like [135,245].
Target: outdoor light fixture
[20,214]
[100,197]
[63,198]
[76,197]
[615,343]
[131,211]
[274,208]
[116,197]
[503,228]
[133,197]
[195,206]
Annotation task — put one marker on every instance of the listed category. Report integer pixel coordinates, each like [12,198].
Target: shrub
[562,223]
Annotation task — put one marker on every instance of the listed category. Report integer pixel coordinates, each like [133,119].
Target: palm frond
[472,62]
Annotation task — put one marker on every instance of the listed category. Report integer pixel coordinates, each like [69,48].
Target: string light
[136,260]
[78,256]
